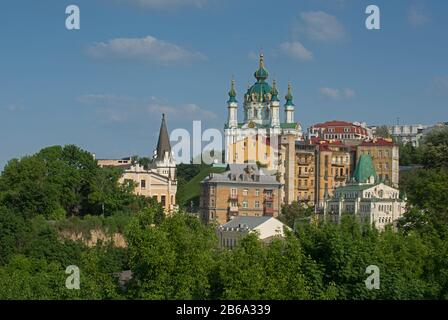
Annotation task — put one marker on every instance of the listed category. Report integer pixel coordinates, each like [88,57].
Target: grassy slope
[192,189]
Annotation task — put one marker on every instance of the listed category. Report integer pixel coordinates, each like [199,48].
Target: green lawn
[191,191]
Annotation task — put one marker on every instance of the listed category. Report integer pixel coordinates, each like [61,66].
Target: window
[257,192]
[257,204]
[143,184]
[245,192]
[163,200]
[245,204]
[212,189]
[233,191]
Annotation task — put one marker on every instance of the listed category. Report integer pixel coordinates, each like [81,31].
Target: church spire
[163,145]
[274,91]
[261,74]
[289,96]
[232,92]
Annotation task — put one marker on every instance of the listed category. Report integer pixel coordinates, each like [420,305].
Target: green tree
[382,132]
[171,260]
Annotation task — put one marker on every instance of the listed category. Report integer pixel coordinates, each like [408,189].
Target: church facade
[366,197]
[264,136]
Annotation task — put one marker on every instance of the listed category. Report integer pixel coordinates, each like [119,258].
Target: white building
[267,228]
[368,199]
[406,133]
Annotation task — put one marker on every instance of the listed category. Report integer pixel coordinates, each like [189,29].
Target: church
[367,198]
[159,181]
[264,136]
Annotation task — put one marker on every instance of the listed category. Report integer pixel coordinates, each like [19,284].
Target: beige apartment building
[385,157]
[242,190]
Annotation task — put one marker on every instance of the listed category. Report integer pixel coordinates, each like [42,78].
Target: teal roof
[289,97]
[288,125]
[354,187]
[261,74]
[260,88]
[364,169]
[232,93]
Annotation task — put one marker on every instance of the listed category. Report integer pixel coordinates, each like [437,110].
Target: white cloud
[296,50]
[338,94]
[166,4]
[13,107]
[321,26]
[191,111]
[115,108]
[417,16]
[148,49]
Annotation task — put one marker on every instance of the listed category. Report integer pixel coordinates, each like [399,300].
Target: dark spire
[163,145]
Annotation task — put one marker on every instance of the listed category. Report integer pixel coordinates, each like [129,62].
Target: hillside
[190,191]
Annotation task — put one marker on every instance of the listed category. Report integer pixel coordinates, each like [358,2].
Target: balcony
[233,209]
[233,197]
[304,161]
[337,164]
[304,174]
[269,198]
[303,187]
[268,211]
[340,178]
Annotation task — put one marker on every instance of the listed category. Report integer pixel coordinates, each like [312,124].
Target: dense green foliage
[60,181]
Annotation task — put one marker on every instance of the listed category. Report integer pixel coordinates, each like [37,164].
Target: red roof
[340,127]
[334,123]
[377,142]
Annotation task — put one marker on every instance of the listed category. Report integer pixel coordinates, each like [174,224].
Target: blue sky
[103,87]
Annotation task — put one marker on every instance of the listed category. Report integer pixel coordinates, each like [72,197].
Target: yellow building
[254,148]
[385,157]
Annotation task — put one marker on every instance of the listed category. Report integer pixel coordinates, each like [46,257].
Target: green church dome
[289,97]
[261,74]
[365,169]
[261,90]
[232,93]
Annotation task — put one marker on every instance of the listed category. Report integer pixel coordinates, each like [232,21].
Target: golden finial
[261,60]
